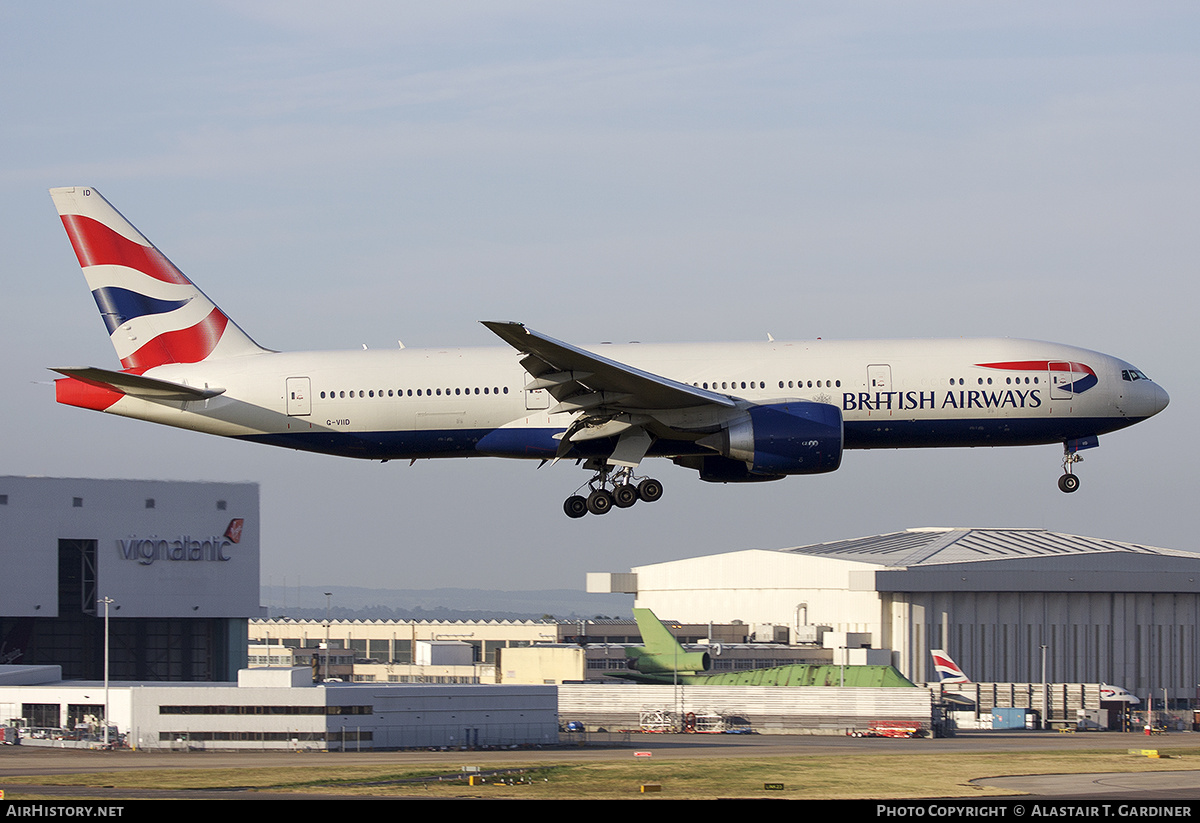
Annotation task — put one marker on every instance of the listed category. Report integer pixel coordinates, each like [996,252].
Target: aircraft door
[1061,381]
[537,399]
[299,401]
[879,377]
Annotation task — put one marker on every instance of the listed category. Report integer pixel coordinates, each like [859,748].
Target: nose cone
[1160,400]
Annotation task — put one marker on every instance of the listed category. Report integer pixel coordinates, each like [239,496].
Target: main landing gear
[621,490]
[1069,482]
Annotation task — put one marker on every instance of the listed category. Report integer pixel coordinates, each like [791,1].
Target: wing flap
[607,398]
[556,379]
[565,370]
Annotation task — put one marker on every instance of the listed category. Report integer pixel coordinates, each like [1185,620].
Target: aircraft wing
[138,385]
[580,380]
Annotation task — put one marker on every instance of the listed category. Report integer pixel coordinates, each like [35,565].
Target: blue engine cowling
[793,437]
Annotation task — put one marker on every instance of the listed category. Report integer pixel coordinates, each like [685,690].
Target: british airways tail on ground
[1116,694]
[733,412]
[948,671]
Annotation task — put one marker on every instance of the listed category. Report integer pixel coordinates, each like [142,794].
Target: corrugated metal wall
[1062,699]
[1144,642]
[812,710]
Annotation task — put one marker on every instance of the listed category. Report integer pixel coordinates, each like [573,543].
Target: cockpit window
[1133,374]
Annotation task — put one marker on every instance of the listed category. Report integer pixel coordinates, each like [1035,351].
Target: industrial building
[278,709]
[1102,611]
[175,565]
[467,651]
[398,645]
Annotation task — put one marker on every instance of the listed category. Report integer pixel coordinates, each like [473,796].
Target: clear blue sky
[341,174]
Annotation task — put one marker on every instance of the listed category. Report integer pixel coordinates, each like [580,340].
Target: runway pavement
[1144,786]
[15,760]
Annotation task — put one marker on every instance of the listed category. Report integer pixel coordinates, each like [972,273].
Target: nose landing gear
[1069,482]
[621,490]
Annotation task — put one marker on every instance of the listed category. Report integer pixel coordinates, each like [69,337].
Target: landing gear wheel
[575,506]
[650,490]
[624,496]
[599,501]
[1068,483]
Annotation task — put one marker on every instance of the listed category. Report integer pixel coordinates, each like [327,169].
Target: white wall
[756,586]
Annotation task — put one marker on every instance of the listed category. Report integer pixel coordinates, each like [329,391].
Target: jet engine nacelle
[775,439]
[716,469]
[648,663]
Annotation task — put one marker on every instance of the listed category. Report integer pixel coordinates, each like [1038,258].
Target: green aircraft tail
[663,660]
[661,652]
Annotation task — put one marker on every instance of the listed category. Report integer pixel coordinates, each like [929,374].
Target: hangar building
[179,565]
[178,561]
[1106,611]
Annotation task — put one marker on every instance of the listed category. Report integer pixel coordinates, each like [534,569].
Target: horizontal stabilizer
[137,385]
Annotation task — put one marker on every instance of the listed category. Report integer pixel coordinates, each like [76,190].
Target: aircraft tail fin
[1116,694]
[948,671]
[155,315]
[656,638]
[661,653]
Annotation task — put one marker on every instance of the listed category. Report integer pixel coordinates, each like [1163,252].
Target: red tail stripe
[97,245]
[190,345]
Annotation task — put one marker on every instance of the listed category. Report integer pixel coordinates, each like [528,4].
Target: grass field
[875,776]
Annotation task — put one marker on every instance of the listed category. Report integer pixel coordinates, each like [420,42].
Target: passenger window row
[716,386]
[758,384]
[448,392]
[800,384]
[987,381]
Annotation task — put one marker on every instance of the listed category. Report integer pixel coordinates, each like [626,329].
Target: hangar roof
[932,560]
[939,546]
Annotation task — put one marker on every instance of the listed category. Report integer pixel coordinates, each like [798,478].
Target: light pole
[675,686]
[1045,691]
[680,723]
[106,601]
[327,596]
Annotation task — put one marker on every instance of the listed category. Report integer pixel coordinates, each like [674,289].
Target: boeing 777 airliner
[733,412]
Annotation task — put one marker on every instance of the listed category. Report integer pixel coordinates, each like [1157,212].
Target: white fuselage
[733,412]
[417,403]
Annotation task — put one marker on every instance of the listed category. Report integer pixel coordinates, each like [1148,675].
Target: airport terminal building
[1104,611]
[178,563]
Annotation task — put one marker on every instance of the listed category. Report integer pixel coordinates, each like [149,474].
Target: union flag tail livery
[948,671]
[1117,695]
[731,412]
[154,314]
